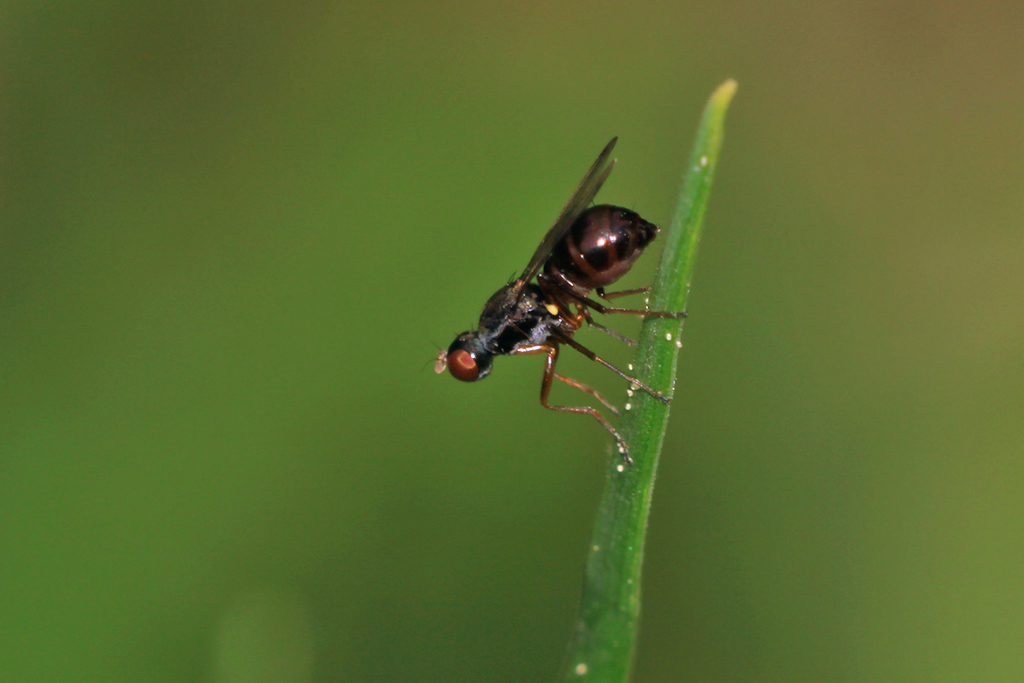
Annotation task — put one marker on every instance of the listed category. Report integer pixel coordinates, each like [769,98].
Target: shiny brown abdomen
[599,248]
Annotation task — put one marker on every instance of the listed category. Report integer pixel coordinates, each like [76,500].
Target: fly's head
[467,358]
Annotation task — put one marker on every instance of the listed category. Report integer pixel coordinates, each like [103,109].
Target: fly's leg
[601,308]
[593,323]
[593,392]
[563,338]
[607,296]
[546,348]
[545,389]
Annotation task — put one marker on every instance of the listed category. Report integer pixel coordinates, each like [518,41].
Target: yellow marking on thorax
[552,309]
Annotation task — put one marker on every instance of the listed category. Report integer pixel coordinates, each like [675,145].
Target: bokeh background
[234,235]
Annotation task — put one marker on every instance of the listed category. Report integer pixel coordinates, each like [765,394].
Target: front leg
[545,390]
[546,348]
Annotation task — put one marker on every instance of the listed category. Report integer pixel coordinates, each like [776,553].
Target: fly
[585,250]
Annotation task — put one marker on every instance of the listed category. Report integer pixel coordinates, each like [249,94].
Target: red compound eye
[463,366]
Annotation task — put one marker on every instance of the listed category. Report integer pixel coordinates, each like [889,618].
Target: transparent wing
[578,203]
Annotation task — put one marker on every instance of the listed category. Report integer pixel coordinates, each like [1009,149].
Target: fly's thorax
[526,322]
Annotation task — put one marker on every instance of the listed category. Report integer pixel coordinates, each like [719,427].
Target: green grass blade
[605,632]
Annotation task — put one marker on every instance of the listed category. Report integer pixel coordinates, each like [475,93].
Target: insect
[585,250]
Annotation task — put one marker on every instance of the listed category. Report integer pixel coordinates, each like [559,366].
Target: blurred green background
[233,236]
